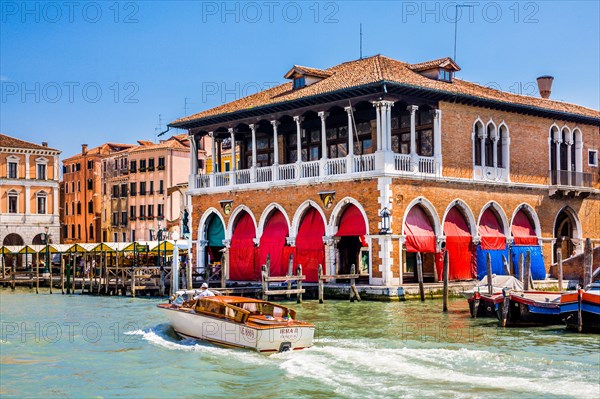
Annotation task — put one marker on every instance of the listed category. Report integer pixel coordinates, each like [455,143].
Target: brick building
[458,167]
[82,185]
[29,192]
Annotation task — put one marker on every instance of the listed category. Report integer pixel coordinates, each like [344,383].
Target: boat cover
[497,264]
[241,252]
[538,270]
[272,242]
[491,232]
[310,250]
[522,230]
[420,236]
[459,247]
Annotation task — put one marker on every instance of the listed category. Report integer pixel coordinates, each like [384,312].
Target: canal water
[103,347]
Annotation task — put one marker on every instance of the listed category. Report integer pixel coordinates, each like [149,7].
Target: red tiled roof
[320,73]
[379,69]
[101,150]
[171,142]
[13,142]
[439,63]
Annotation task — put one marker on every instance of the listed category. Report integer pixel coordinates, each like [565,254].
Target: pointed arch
[338,211]
[273,206]
[302,209]
[429,209]
[533,217]
[234,216]
[272,242]
[466,212]
[499,213]
[242,253]
[421,235]
[202,224]
[476,137]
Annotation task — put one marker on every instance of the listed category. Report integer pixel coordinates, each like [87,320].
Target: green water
[84,346]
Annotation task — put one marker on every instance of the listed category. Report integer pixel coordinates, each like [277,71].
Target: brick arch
[266,214]
[533,217]
[338,211]
[300,213]
[429,209]
[233,219]
[467,213]
[204,219]
[501,214]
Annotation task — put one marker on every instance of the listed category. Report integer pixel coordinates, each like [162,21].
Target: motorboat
[239,322]
[481,303]
[529,308]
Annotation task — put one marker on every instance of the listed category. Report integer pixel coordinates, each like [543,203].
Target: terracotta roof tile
[379,69]
[13,142]
[439,63]
[169,143]
[320,73]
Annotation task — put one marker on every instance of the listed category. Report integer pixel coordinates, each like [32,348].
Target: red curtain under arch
[352,223]
[241,251]
[272,243]
[522,230]
[310,250]
[459,247]
[490,231]
[420,236]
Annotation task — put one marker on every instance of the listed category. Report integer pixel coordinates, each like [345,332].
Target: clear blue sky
[91,72]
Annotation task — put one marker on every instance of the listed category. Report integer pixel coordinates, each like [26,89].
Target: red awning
[420,236]
[310,250]
[490,231]
[352,223]
[272,242]
[458,245]
[241,252]
[522,230]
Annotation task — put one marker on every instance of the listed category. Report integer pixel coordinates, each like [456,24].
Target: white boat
[241,323]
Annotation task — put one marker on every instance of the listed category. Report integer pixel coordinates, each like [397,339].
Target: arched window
[91,231]
[489,144]
[502,150]
[477,134]
[565,139]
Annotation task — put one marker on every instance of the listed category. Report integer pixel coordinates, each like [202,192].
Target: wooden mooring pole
[490,285]
[354,295]
[290,273]
[506,266]
[62,274]
[264,282]
[320,282]
[445,274]
[299,285]
[587,263]
[527,272]
[37,272]
[560,269]
[420,276]
[521,264]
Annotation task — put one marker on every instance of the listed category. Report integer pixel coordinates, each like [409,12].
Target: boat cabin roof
[233,299]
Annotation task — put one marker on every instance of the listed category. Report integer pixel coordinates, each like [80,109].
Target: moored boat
[240,322]
[530,308]
[580,310]
[481,303]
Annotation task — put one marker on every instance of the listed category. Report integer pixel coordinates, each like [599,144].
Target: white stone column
[298,120]
[557,143]
[569,143]
[253,167]
[495,152]
[377,106]
[414,157]
[55,201]
[193,162]
[201,262]
[350,155]
[506,154]
[275,143]
[215,167]
[437,140]
[482,136]
[233,150]
[387,106]
[323,115]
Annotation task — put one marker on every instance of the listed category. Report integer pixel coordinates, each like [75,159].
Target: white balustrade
[402,162]
[264,174]
[364,163]
[336,166]
[287,171]
[427,165]
[242,176]
[202,181]
[309,169]
[221,179]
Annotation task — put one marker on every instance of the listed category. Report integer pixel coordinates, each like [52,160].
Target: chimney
[84,149]
[545,85]
[44,144]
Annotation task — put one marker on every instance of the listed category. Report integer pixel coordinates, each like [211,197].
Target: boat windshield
[266,309]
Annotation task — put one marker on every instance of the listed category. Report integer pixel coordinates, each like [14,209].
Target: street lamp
[46,237]
[159,236]
[385,214]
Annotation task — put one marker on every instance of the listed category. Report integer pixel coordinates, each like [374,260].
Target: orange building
[29,190]
[82,178]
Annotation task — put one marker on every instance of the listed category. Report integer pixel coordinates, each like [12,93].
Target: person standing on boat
[205,292]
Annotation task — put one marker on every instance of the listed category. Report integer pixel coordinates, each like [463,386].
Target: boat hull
[481,306]
[590,311]
[528,309]
[224,332]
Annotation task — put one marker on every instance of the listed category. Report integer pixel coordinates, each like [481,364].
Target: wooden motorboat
[529,308]
[240,322]
[580,310]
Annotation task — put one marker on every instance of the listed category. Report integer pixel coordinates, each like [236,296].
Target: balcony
[570,183]
[321,170]
[160,167]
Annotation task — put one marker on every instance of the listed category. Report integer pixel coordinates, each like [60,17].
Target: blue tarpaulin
[538,270]
[497,265]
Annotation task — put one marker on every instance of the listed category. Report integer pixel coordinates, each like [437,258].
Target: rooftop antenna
[456,7]
[158,128]
[361,36]
[185,108]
